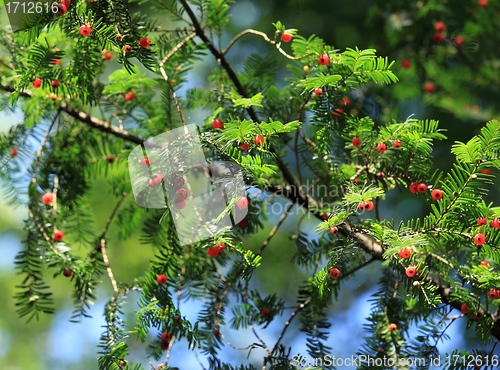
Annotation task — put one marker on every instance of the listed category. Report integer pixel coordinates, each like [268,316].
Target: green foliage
[86,128]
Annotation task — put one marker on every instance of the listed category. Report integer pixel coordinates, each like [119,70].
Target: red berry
[368,205]
[58,235]
[286,37]
[161,279]
[54,84]
[181,195]
[127,48]
[265,312]
[334,230]
[216,332]
[381,147]
[362,206]
[411,271]
[325,216]
[381,175]
[37,83]
[323,59]
[334,273]
[145,162]
[397,144]
[392,327]
[48,198]
[405,253]
[429,88]
[62,8]
[414,187]
[245,146]
[144,42]
[67,273]
[243,223]
[259,140]
[242,203]
[478,315]
[437,194]
[85,30]
[486,172]
[406,64]
[345,101]
[422,188]
[13,152]
[494,294]
[440,26]
[180,205]
[483,3]
[356,141]
[485,264]
[165,336]
[465,309]
[217,123]
[438,38]
[110,159]
[164,345]
[479,239]
[213,251]
[129,96]
[56,61]
[108,56]
[339,112]
[459,41]
[482,221]
[318,91]
[495,223]
[222,246]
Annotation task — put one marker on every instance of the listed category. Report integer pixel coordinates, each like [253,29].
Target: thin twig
[103,244]
[264,36]
[274,229]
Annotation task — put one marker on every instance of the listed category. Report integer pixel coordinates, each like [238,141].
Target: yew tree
[292,139]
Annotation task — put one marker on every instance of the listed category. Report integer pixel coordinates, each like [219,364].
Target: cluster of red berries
[381,147]
[421,188]
[495,223]
[365,206]
[438,36]
[37,83]
[258,140]
[215,250]
[494,294]
[165,341]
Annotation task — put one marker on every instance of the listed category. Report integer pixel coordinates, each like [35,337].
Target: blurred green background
[54,343]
